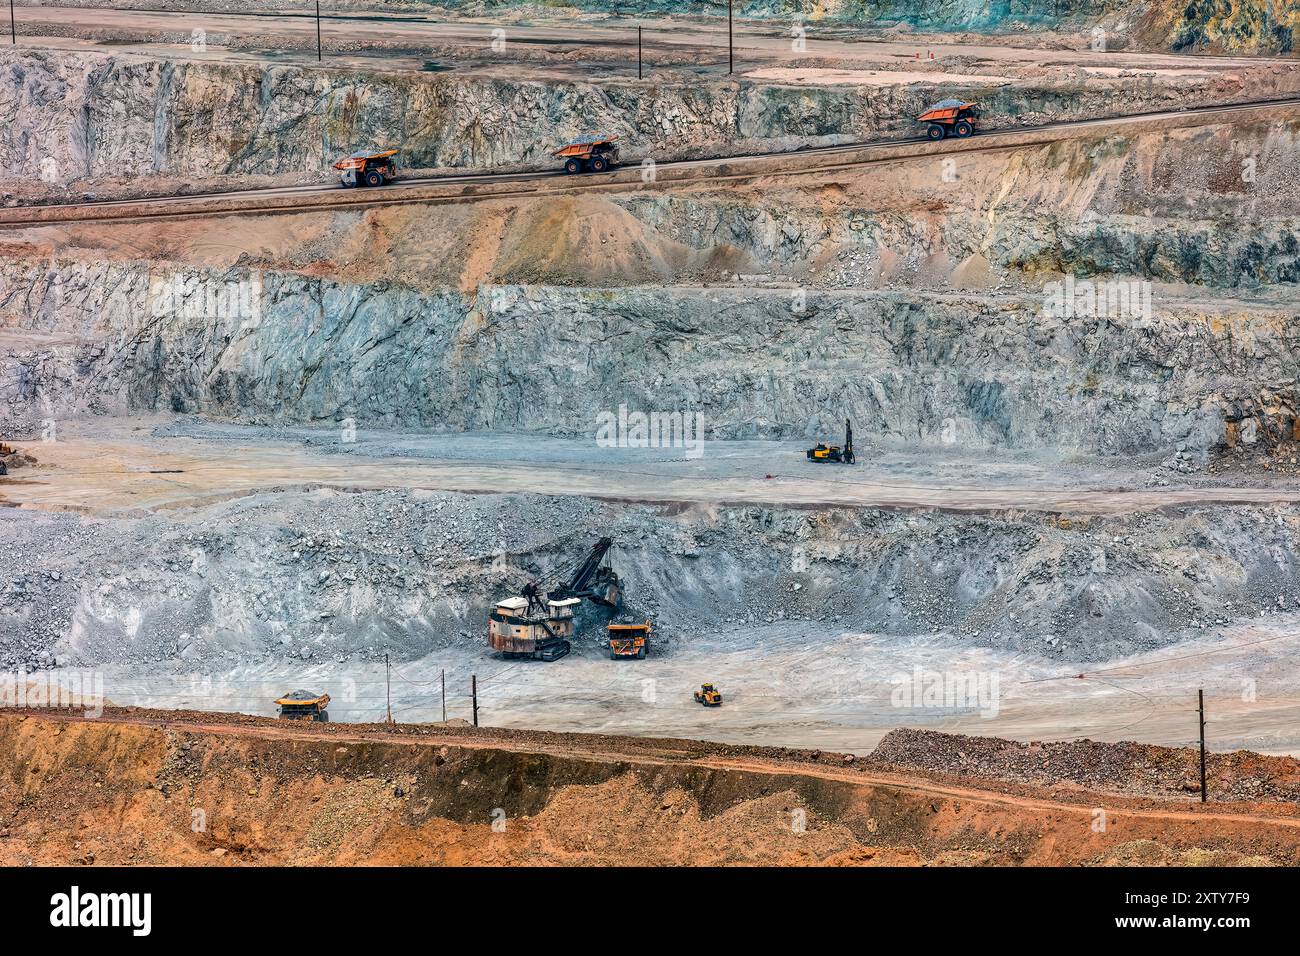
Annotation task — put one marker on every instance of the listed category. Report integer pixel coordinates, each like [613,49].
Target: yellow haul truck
[629,640]
[304,705]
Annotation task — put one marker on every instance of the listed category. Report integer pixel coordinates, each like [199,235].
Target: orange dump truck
[593,153]
[367,167]
[950,118]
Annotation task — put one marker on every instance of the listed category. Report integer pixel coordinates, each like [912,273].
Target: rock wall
[326,576]
[757,363]
[66,117]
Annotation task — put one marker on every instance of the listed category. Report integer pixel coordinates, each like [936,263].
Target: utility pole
[13,26]
[317,29]
[638,51]
[1200,697]
[443,676]
[389,681]
[731,52]
[473,693]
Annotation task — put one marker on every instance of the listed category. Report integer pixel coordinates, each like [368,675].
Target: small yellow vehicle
[304,705]
[837,453]
[629,640]
[708,695]
[367,167]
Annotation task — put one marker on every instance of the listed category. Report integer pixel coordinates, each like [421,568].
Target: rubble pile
[1126,766]
[332,576]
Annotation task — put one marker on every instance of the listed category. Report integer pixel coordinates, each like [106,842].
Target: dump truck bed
[292,700]
[583,147]
[944,110]
[363,156]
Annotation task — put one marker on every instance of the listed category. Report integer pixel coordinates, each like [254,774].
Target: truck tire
[572,166]
[599,164]
[963,128]
[374,177]
[935,132]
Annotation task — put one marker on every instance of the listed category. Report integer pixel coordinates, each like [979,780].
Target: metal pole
[317,29]
[731,53]
[473,692]
[389,680]
[1200,696]
[638,51]
[443,675]
[13,27]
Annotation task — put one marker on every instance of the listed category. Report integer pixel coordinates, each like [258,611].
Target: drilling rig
[539,624]
[838,453]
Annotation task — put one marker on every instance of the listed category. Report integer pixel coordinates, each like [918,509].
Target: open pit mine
[510,434]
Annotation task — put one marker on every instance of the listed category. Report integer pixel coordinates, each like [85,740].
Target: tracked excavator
[539,624]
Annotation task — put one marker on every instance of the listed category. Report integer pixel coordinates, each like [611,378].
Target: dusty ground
[566,45]
[114,466]
[801,684]
[193,789]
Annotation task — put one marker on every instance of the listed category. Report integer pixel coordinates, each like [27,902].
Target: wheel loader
[708,695]
[842,454]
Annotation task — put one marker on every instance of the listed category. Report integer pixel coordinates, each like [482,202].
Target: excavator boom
[584,574]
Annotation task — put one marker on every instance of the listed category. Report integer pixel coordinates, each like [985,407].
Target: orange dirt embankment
[137,790]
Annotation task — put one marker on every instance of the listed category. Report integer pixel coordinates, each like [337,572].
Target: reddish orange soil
[140,787]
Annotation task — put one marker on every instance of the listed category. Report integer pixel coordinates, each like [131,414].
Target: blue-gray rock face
[758,363]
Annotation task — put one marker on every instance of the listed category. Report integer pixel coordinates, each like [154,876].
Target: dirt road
[675,751]
[102,468]
[702,40]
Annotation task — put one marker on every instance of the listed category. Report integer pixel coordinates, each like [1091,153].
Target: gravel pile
[1128,767]
[336,576]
